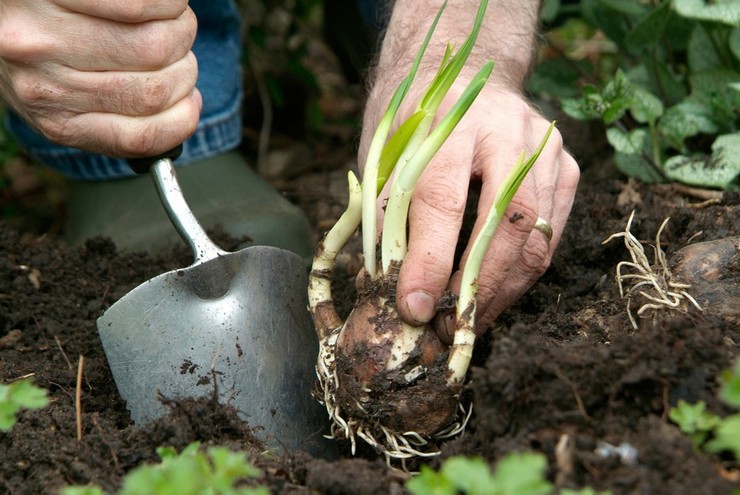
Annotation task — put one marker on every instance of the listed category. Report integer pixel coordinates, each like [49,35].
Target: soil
[562,372]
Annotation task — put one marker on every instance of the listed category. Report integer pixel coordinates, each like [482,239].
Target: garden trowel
[234,324]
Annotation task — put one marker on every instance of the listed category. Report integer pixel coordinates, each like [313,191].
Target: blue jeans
[218,49]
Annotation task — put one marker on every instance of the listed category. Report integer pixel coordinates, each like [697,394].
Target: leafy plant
[671,105]
[516,474]
[21,394]
[709,431]
[218,471]
[383,380]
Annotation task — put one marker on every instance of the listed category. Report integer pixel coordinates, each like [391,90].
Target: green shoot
[386,155]
[377,144]
[462,350]
[371,364]
[21,394]
[394,242]
[218,471]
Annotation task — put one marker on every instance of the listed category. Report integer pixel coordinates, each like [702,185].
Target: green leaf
[726,437]
[549,10]
[730,385]
[633,142]
[610,104]
[21,394]
[583,491]
[706,84]
[429,482]
[659,79]
[556,78]
[702,51]
[722,11]
[685,120]
[395,147]
[694,420]
[446,77]
[617,97]
[645,106]
[193,472]
[734,43]
[522,474]
[82,490]
[636,166]
[469,475]
[627,7]
[648,32]
[720,170]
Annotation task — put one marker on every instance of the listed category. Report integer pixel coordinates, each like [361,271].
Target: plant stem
[462,346]
[394,242]
[370,171]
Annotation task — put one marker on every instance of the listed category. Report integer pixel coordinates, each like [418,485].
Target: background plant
[216,471]
[709,431]
[663,76]
[516,474]
[21,394]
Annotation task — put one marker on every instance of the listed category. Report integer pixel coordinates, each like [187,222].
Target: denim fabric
[218,49]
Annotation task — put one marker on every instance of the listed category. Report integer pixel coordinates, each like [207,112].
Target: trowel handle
[142,165]
[162,171]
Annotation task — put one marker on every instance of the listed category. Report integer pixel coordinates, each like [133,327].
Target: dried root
[653,282]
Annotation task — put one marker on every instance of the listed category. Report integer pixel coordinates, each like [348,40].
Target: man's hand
[116,78]
[484,148]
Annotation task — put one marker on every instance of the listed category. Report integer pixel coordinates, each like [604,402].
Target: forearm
[508,37]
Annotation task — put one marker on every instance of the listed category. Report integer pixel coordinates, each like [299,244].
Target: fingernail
[421,306]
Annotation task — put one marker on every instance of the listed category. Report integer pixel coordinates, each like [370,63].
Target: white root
[654,281]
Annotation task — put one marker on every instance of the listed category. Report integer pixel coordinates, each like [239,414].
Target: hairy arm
[499,125]
[507,37]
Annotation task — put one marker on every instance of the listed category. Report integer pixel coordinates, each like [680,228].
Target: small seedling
[654,281]
[709,431]
[391,384]
[516,474]
[217,471]
[21,394]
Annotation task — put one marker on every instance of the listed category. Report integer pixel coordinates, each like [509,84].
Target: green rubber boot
[222,191]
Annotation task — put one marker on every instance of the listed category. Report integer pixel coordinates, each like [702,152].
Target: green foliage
[730,388]
[694,420]
[21,394]
[516,474]
[670,100]
[709,431]
[218,471]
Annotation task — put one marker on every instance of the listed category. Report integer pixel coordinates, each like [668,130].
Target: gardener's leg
[108,199]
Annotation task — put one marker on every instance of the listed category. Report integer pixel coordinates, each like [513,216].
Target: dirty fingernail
[421,306]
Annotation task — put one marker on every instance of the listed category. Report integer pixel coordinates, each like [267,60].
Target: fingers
[68,91]
[518,254]
[109,77]
[556,181]
[435,219]
[128,10]
[126,136]
[33,35]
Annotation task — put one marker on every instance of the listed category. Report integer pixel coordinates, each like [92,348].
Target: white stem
[319,287]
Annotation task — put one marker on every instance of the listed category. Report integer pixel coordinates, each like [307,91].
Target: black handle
[141,165]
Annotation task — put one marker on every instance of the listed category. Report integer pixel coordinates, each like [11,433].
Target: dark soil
[560,373]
